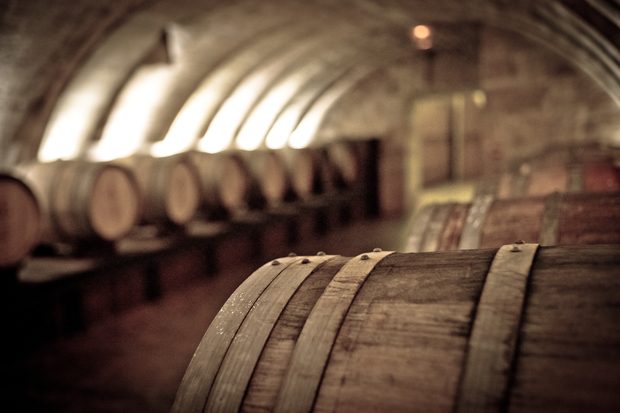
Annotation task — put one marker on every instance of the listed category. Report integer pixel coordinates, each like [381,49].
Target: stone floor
[135,361]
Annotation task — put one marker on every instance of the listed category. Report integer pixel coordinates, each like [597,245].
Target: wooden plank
[569,349]
[203,368]
[575,178]
[550,220]
[245,349]
[262,390]
[317,338]
[435,227]
[488,186]
[418,229]
[520,184]
[470,239]
[495,329]
[451,234]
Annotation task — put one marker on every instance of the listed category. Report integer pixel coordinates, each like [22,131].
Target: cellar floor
[134,362]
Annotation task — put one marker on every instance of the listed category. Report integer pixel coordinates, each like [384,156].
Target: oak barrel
[20,220]
[345,157]
[312,172]
[83,200]
[520,328]
[271,184]
[580,169]
[225,182]
[557,219]
[170,188]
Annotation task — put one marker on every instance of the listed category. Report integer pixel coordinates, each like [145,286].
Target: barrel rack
[53,296]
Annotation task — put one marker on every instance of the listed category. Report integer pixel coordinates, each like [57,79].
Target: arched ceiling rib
[289,116]
[76,114]
[197,112]
[568,29]
[235,109]
[260,119]
[313,118]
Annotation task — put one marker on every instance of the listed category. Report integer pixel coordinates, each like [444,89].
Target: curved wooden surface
[170,188]
[270,176]
[557,219]
[20,220]
[522,328]
[566,171]
[493,341]
[83,200]
[225,182]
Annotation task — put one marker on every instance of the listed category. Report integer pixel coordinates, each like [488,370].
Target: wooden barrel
[311,172]
[576,170]
[522,328]
[557,219]
[20,220]
[346,159]
[83,200]
[170,189]
[225,182]
[271,183]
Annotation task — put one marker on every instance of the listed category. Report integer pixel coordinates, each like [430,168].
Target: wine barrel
[20,220]
[522,328]
[588,218]
[170,189]
[575,170]
[311,172]
[346,159]
[83,200]
[271,184]
[225,182]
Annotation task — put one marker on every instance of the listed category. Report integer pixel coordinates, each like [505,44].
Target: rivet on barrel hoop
[515,248]
[320,253]
[305,261]
[275,262]
[377,250]
[364,257]
[292,254]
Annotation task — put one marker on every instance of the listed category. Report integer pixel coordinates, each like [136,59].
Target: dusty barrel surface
[170,188]
[20,220]
[557,219]
[576,170]
[522,328]
[84,200]
[225,182]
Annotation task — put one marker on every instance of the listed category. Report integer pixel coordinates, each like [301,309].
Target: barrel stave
[511,220]
[401,346]
[20,220]
[269,372]
[569,354]
[588,219]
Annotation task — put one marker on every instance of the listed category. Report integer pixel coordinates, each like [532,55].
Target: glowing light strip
[124,132]
[257,125]
[87,97]
[287,119]
[205,101]
[306,130]
[223,127]
[71,123]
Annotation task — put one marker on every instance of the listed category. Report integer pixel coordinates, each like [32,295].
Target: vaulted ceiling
[108,79]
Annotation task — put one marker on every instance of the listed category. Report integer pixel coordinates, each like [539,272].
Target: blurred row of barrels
[565,197]
[72,202]
[510,302]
